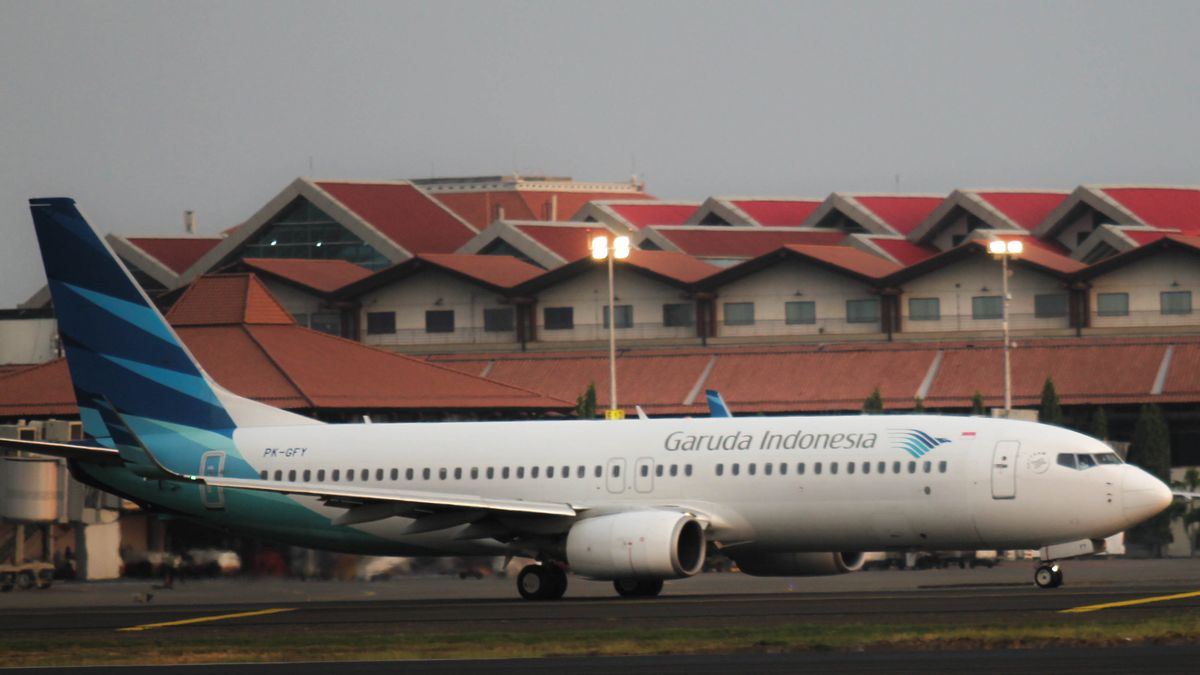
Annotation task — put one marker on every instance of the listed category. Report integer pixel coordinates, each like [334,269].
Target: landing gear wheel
[1048,576]
[542,582]
[638,588]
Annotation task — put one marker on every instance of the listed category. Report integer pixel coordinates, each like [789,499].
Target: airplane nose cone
[1143,495]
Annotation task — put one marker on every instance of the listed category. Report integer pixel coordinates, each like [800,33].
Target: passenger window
[307,475]
[599,472]
[335,475]
[866,467]
[395,474]
[928,466]
[833,467]
[581,471]
[504,473]
[491,472]
[720,469]
[263,474]
[735,469]
[442,474]
[816,468]
[645,470]
[800,469]
[752,469]
[292,476]
[366,474]
[320,475]
[379,475]
[549,472]
[278,474]
[566,472]
[783,468]
[458,473]
[533,472]
[912,467]
[349,474]
[616,470]
[658,470]
[408,474]
[767,468]
[850,467]
[687,469]
[942,466]
[1085,461]
[520,472]
[895,467]
[426,473]
[474,473]
[674,470]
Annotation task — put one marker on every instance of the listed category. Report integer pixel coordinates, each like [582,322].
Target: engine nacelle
[636,545]
[791,564]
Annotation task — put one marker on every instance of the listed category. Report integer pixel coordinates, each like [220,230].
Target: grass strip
[302,645]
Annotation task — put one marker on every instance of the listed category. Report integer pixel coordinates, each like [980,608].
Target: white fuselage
[782,483]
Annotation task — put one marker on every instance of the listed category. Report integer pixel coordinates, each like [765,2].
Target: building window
[1050,306]
[498,320]
[924,309]
[987,307]
[439,321]
[326,322]
[1176,302]
[800,312]
[739,314]
[624,314]
[301,230]
[559,318]
[1112,304]
[381,323]
[682,314]
[862,311]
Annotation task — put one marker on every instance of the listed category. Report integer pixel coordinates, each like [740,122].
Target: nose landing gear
[1048,575]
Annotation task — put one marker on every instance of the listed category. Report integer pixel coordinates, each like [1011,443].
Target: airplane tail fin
[716,404]
[129,369]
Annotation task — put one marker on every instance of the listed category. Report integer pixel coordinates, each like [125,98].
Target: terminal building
[476,298]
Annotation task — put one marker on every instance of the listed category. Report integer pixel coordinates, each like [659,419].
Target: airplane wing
[356,497]
[90,453]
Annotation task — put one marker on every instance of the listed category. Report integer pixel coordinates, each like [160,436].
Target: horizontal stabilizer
[87,453]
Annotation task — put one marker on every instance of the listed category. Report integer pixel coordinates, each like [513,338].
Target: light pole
[1003,250]
[601,251]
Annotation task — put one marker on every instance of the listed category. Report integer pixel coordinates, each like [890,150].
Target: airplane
[633,503]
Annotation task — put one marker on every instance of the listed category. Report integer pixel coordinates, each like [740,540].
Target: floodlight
[621,247]
[600,247]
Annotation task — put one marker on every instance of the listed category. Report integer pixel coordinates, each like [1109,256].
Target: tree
[977,404]
[874,403]
[585,404]
[918,405]
[1151,450]
[1098,424]
[1051,411]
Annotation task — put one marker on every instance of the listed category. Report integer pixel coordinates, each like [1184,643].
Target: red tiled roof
[321,275]
[404,214]
[176,253]
[1026,209]
[568,243]
[223,299]
[41,391]
[904,250]
[654,213]
[1177,208]
[14,368]
[498,270]
[480,208]
[777,212]
[741,242]
[850,259]
[902,212]
[672,264]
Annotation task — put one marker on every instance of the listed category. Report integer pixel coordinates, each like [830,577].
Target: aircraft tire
[541,582]
[638,588]
[1048,576]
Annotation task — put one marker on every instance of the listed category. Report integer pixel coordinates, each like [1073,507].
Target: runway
[1105,590]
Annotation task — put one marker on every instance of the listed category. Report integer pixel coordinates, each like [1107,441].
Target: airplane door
[212,463]
[616,476]
[1004,469]
[643,475]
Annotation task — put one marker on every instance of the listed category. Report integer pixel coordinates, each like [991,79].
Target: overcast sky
[141,110]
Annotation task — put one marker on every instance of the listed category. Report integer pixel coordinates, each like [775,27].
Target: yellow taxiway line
[1128,603]
[203,619]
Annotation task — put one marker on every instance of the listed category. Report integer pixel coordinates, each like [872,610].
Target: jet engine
[636,545]
[792,564]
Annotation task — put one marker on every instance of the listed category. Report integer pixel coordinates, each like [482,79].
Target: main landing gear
[638,588]
[545,581]
[1048,575]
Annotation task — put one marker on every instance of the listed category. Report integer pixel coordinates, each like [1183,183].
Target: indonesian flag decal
[968,434]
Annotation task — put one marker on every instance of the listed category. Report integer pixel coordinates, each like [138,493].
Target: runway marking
[202,619]
[1127,603]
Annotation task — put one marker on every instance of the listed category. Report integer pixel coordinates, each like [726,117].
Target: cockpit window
[1108,458]
[1085,461]
[1067,459]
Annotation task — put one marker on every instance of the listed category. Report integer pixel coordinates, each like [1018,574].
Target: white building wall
[790,281]
[428,290]
[298,303]
[27,340]
[588,295]
[955,285]
[1145,281]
